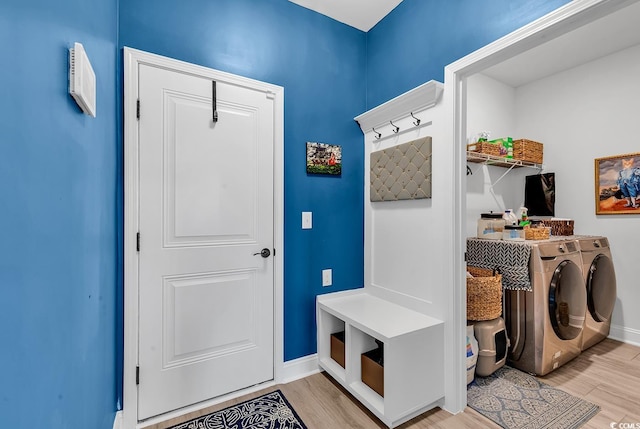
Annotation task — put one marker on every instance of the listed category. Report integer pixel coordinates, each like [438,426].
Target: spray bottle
[524,216]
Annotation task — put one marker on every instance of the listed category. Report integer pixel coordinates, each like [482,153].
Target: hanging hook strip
[395,128]
[417,121]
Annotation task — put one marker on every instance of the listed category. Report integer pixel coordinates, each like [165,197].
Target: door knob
[265,253]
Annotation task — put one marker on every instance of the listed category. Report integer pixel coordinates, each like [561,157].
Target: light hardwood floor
[608,374]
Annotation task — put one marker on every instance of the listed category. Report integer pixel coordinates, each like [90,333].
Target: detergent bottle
[510,217]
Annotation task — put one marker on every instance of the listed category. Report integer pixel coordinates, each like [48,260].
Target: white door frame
[132,60]
[559,22]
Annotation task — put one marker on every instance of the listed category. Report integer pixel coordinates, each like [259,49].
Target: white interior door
[205,210]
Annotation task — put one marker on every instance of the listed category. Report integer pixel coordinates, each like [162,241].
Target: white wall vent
[82,80]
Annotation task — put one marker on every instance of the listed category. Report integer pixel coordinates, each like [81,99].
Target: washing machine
[600,281]
[545,325]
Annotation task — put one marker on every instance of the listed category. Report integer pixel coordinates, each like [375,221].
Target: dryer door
[601,288]
[567,300]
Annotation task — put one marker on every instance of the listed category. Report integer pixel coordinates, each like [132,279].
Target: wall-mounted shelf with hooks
[408,105]
[483,158]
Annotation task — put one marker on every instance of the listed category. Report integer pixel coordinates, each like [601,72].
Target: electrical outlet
[326,278]
[306,220]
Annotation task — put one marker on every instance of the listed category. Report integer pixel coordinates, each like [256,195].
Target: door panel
[220,301]
[202,167]
[206,206]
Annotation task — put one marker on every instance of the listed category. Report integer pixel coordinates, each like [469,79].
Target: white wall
[584,113]
[491,106]
[404,239]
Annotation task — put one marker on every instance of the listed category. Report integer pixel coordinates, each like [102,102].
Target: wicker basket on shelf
[528,150]
[485,147]
[484,294]
[559,227]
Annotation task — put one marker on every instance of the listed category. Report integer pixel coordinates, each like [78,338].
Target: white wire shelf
[483,158]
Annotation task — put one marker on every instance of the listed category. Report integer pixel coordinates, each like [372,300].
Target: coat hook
[378,135]
[417,121]
[395,128]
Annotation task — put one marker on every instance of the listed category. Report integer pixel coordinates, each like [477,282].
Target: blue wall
[58,245]
[61,171]
[414,43]
[321,65]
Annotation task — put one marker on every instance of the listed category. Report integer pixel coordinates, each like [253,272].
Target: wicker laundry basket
[484,294]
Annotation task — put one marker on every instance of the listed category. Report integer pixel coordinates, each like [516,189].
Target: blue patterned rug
[270,411]
[516,400]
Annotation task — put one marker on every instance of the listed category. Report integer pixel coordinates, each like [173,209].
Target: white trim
[556,23]
[299,368]
[132,59]
[455,322]
[278,233]
[626,335]
[415,100]
[130,152]
[117,421]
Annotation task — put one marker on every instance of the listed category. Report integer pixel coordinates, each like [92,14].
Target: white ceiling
[361,14]
[605,36]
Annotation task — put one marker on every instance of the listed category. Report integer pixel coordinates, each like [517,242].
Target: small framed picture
[324,158]
[617,184]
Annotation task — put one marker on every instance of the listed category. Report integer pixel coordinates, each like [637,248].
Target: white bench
[413,357]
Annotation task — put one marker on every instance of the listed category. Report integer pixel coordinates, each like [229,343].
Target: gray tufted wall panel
[401,172]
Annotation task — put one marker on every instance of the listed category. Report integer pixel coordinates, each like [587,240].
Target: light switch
[306,220]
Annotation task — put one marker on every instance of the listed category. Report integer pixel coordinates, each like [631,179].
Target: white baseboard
[117,421]
[299,368]
[626,335]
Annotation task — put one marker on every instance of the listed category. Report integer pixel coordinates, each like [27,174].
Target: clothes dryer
[545,324]
[600,281]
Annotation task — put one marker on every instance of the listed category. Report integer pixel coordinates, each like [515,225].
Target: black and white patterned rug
[516,400]
[269,411]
